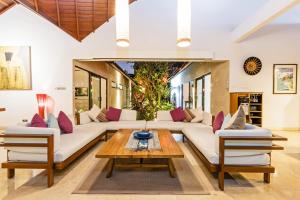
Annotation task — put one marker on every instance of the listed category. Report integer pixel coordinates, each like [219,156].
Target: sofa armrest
[30,135]
[246,142]
[49,145]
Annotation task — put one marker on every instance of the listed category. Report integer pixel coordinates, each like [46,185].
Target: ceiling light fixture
[183,23]
[122,22]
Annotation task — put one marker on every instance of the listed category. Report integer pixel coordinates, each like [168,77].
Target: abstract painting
[15,68]
[285,79]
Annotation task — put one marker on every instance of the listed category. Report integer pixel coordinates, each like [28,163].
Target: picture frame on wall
[15,68]
[285,79]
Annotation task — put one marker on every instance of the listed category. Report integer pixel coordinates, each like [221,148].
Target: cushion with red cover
[65,124]
[37,121]
[178,115]
[113,114]
[217,124]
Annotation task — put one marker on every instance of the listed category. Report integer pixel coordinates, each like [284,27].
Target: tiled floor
[285,183]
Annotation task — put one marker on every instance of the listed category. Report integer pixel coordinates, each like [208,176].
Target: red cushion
[178,115]
[64,123]
[37,121]
[217,124]
[113,114]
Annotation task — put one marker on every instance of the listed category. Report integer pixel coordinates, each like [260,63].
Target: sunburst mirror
[252,66]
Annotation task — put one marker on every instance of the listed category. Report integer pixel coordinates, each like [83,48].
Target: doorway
[90,89]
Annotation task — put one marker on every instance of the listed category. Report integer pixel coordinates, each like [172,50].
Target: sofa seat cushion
[31,130]
[137,124]
[69,144]
[173,126]
[204,140]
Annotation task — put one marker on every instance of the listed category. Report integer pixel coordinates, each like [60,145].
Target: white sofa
[247,150]
[208,144]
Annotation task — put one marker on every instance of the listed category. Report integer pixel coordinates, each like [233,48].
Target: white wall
[152,36]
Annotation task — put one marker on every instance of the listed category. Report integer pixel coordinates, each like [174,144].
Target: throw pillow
[188,116]
[226,121]
[102,116]
[113,114]
[238,120]
[65,124]
[217,124]
[84,118]
[190,113]
[94,112]
[198,113]
[37,121]
[177,115]
[52,121]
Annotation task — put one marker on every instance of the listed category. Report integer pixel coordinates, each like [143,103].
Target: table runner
[153,143]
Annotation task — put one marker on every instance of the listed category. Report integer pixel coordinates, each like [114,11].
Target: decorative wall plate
[252,66]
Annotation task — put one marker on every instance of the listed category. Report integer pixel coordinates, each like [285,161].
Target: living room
[242,45]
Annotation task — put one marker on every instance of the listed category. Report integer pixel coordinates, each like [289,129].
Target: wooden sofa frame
[221,168]
[49,165]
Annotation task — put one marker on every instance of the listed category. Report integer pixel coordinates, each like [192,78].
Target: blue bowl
[143,135]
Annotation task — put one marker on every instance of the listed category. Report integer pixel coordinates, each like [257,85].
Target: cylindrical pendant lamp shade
[183,23]
[122,22]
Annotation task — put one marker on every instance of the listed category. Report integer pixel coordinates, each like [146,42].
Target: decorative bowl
[142,135]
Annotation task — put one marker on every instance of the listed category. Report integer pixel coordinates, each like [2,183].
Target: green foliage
[151,92]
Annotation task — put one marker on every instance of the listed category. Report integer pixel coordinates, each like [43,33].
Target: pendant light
[183,23]
[122,22]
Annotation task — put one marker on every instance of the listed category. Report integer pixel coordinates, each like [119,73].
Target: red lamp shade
[41,99]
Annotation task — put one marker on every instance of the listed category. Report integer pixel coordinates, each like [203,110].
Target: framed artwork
[285,79]
[81,91]
[15,68]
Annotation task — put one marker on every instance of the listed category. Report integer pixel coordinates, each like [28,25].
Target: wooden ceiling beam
[107,10]
[58,14]
[36,5]
[4,3]
[7,8]
[93,18]
[77,20]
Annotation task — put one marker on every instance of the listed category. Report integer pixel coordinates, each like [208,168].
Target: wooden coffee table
[114,149]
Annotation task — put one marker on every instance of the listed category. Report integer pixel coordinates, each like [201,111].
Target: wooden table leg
[110,166]
[171,168]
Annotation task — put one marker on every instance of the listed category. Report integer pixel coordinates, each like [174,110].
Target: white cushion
[70,143]
[174,126]
[164,115]
[198,115]
[128,115]
[31,130]
[250,130]
[226,121]
[207,118]
[204,140]
[94,112]
[84,118]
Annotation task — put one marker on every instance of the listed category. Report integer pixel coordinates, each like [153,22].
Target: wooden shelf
[2,109]
[236,98]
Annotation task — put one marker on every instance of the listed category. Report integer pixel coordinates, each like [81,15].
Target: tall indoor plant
[151,92]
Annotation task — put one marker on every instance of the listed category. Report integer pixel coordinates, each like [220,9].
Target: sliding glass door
[90,89]
[95,91]
[203,92]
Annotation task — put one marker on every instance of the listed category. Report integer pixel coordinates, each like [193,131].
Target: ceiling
[78,18]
